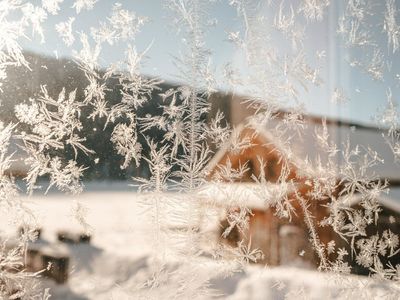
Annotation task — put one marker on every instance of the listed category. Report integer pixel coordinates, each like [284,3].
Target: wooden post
[55,261]
[33,261]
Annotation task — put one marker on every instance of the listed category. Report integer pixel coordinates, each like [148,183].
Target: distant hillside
[22,84]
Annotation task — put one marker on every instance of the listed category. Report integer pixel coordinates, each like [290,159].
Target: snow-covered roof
[256,196]
[303,143]
[263,196]
[390,200]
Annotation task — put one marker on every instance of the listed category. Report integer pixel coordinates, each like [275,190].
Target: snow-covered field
[117,259]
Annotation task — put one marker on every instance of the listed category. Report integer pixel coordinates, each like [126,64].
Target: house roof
[263,196]
[300,143]
[390,200]
[256,196]
[343,135]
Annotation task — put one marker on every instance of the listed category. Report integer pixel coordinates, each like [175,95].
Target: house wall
[265,228]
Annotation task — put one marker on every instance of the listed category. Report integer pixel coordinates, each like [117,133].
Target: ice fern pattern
[180,139]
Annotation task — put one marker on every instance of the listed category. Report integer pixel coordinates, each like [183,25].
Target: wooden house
[285,241]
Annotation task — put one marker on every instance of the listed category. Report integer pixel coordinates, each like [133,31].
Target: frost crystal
[390,26]
[339,96]
[80,5]
[64,29]
[276,184]
[52,6]
[313,10]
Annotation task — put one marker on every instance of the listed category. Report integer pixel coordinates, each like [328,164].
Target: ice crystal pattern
[180,182]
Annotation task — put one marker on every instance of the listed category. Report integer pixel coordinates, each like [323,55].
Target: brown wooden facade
[280,240]
[283,241]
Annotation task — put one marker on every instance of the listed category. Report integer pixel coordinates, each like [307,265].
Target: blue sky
[366,96]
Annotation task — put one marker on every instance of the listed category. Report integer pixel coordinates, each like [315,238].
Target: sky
[365,96]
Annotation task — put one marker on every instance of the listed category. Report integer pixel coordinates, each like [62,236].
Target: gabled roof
[343,135]
[390,200]
[300,144]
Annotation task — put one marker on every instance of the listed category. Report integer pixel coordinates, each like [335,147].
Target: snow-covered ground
[117,259]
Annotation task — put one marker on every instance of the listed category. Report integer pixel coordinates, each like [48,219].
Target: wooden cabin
[283,240]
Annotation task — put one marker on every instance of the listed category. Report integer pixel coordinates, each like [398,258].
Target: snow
[254,195]
[294,283]
[118,258]
[390,200]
